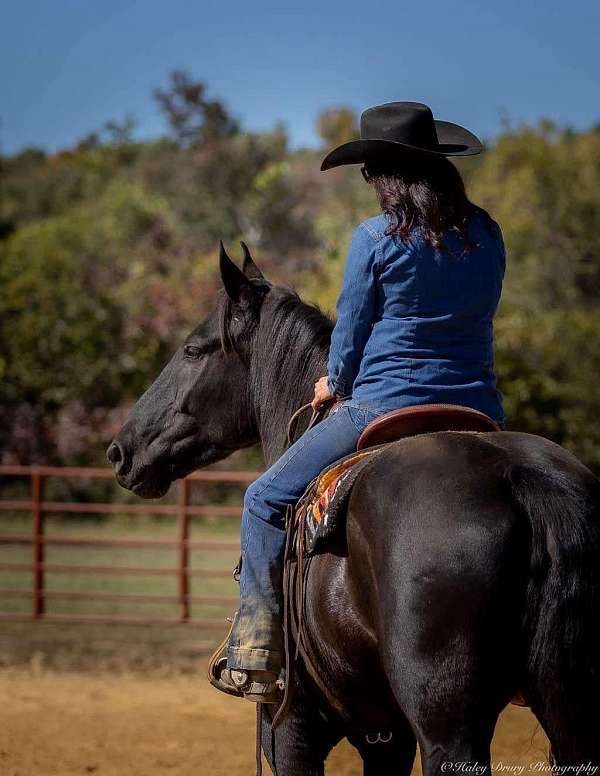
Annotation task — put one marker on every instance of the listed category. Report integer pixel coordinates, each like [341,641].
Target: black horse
[468,567]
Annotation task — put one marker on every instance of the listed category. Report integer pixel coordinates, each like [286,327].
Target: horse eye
[192,352]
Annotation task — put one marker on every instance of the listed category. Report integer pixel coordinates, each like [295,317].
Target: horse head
[199,409]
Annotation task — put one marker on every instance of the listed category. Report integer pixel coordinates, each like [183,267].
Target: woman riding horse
[414,326]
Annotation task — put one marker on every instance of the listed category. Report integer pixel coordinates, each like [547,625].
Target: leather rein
[293,421]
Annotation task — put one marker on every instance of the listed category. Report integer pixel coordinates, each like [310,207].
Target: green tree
[542,184]
[337,125]
[108,255]
[72,327]
[192,117]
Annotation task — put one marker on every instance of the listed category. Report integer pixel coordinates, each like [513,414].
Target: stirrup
[217,667]
[238,682]
[252,686]
[245,684]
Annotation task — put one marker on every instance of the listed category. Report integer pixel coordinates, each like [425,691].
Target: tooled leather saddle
[423,419]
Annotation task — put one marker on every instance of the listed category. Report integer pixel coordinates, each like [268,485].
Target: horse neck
[289,355]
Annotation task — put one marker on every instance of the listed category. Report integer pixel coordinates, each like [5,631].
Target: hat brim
[453,140]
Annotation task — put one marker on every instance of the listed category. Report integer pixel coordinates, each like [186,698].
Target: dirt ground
[74,723]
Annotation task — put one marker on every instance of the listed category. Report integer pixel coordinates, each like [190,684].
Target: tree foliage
[108,254]
[192,117]
[543,186]
[337,125]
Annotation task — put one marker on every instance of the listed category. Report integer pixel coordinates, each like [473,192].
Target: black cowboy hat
[389,130]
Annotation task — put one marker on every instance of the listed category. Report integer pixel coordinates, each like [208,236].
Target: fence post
[37,489]
[184,552]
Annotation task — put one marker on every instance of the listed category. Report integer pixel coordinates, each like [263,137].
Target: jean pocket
[361,417]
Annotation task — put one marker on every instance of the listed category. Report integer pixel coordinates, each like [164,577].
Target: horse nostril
[115,455]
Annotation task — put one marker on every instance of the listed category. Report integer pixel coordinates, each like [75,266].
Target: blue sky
[67,66]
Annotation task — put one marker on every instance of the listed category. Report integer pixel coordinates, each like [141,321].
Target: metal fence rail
[38,507]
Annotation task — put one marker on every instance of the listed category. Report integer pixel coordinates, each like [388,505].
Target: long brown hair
[427,192]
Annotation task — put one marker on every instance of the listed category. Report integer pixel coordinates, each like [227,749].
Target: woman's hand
[321,393]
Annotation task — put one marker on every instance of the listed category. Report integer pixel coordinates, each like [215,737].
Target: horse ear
[236,283]
[249,268]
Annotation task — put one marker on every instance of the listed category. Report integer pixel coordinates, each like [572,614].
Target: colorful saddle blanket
[323,504]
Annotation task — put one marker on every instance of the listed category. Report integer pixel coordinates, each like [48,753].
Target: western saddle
[423,419]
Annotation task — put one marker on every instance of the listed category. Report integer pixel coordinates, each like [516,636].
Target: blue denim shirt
[414,324]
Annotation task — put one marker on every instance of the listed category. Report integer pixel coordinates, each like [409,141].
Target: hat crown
[403,122]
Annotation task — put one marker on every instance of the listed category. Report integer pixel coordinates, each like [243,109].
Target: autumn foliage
[108,256]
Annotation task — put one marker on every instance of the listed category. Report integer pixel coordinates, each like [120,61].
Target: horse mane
[289,353]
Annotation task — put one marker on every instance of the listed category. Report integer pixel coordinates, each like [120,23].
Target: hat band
[417,139]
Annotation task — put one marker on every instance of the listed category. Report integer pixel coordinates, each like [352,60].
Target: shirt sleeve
[355,314]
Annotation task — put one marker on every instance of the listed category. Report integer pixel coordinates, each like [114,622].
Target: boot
[254,685]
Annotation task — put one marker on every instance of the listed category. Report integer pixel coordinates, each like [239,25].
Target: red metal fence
[183,571]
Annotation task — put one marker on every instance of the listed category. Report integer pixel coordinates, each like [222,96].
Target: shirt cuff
[338,388]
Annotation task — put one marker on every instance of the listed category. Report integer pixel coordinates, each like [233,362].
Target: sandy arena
[69,724]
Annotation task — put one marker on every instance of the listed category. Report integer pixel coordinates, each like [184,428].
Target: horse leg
[452,695]
[465,751]
[452,690]
[387,758]
[453,709]
[301,742]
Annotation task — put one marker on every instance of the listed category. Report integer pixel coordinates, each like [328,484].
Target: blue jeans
[256,640]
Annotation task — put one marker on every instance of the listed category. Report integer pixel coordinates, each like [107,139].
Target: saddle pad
[322,505]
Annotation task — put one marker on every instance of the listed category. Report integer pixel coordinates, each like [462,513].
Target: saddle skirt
[322,506]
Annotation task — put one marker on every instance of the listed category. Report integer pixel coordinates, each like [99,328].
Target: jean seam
[266,523]
[365,413]
[357,426]
[251,517]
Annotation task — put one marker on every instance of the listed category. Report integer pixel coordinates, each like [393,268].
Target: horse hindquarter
[433,521]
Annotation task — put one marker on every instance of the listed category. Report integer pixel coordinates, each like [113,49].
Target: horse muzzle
[146,481]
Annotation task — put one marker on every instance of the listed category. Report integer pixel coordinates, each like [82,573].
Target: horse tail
[562,611]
